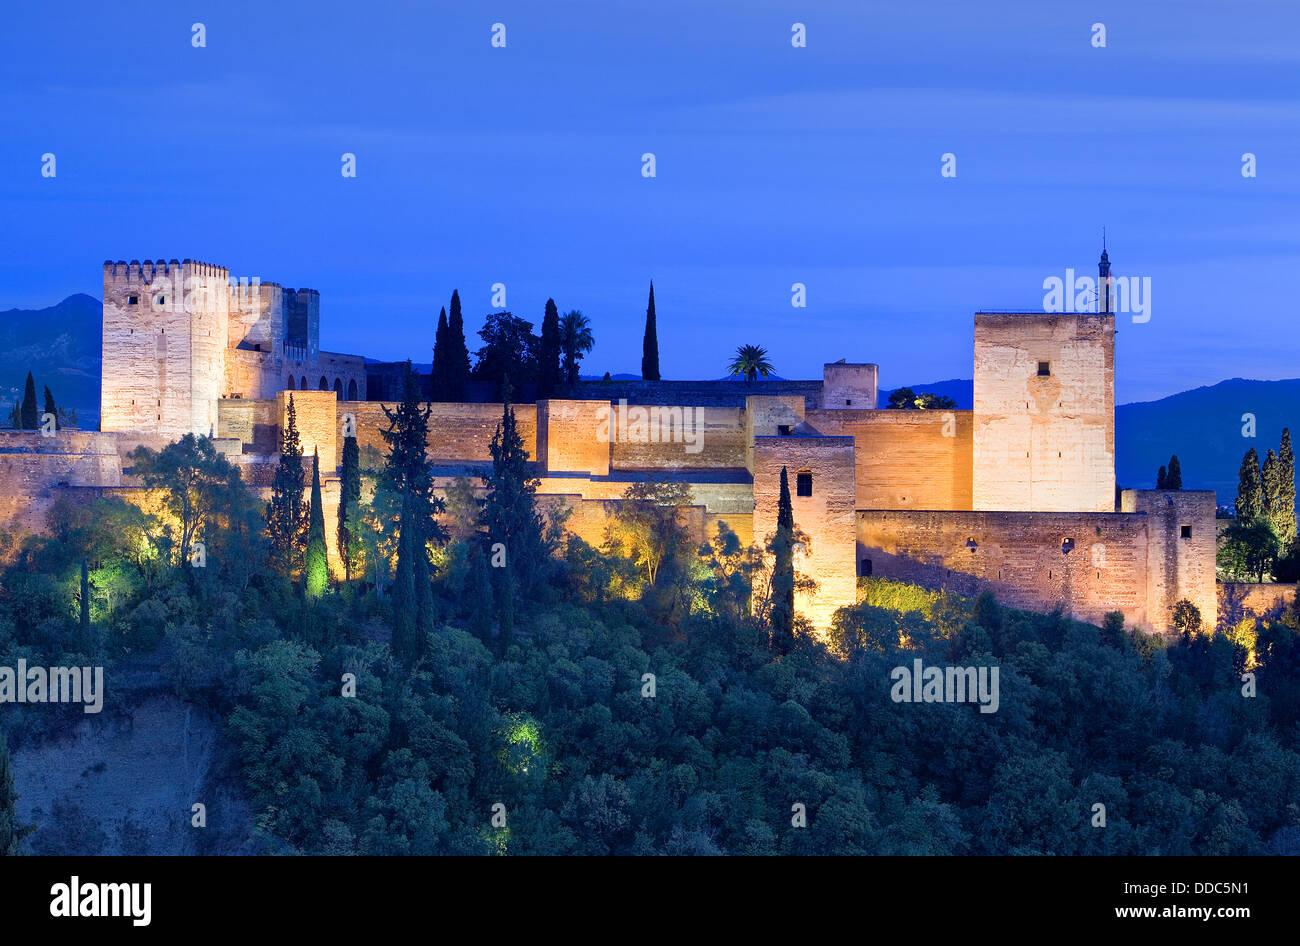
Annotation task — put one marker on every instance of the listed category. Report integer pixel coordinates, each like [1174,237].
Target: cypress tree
[1174,478]
[1286,521]
[1250,488]
[86,643]
[31,418]
[316,570]
[511,518]
[1162,479]
[650,344]
[457,350]
[10,832]
[783,571]
[479,594]
[349,503]
[441,379]
[50,407]
[286,519]
[408,474]
[1274,493]
[548,367]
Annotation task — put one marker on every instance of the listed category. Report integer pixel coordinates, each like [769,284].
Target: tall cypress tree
[1250,488]
[782,618]
[286,517]
[1271,474]
[87,645]
[1162,479]
[511,518]
[50,407]
[548,358]
[650,344]
[31,417]
[1286,520]
[457,350]
[409,474]
[316,572]
[1174,478]
[440,377]
[349,503]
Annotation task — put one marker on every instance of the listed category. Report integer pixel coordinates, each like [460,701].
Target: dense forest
[431,703]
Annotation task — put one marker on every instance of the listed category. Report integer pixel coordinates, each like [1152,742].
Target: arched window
[338,386]
[324,383]
[303,383]
[803,483]
[291,384]
[352,390]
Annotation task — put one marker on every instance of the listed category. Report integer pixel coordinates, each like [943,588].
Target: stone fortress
[1016,496]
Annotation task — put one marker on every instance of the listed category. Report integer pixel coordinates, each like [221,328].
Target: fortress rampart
[1016,496]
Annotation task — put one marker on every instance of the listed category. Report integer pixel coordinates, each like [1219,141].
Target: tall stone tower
[166,327]
[1044,436]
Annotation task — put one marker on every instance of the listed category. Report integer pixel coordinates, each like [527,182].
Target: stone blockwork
[1044,412]
[1016,496]
[1085,563]
[825,515]
[906,459]
[1180,552]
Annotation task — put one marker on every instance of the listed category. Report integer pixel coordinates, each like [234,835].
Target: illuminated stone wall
[827,516]
[1181,552]
[1044,442]
[906,459]
[317,422]
[165,334]
[1021,558]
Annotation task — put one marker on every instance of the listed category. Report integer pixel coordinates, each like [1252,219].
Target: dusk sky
[775,165]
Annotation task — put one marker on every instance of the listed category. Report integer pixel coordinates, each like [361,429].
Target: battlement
[145,272]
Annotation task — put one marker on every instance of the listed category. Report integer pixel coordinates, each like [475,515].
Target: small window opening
[1044,369]
[864,568]
[848,402]
[1067,546]
[803,484]
[1185,532]
[971,545]
[783,430]
[132,300]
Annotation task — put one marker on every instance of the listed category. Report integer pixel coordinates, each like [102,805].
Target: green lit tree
[316,572]
[1284,516]
[286,513]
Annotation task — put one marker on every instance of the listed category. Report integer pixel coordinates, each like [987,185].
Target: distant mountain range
[61,346]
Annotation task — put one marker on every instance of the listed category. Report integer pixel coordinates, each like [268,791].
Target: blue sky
[775,165]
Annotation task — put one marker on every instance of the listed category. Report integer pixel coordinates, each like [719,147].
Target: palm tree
[575,341]
[751,361]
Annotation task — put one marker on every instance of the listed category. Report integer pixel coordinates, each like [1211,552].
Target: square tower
[166,328]
[1044,438]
